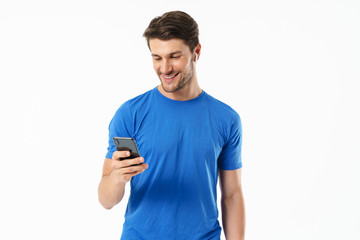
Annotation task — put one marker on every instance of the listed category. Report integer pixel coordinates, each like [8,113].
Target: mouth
[169,78]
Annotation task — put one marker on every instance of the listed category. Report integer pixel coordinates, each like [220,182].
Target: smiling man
[187,140]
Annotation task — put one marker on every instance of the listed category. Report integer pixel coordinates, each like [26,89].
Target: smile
[169,77]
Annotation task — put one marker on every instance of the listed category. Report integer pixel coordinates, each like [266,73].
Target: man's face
[173,63]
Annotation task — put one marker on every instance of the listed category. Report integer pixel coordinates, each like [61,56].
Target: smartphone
[127,144]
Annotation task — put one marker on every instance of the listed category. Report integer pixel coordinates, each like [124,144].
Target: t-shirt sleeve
[120,126]
[230,156]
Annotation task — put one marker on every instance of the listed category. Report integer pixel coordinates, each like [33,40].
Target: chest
[179,133]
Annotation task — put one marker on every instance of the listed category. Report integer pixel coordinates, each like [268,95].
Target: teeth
[170,76]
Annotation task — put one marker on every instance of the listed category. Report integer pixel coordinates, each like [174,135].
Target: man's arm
[115,175]
[232,204]
[110,191]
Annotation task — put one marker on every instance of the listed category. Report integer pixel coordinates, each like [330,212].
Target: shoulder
[221,109]
[129,109]
[135,103]
[128,112]
[139,100]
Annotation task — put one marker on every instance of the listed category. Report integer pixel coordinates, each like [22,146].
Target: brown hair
[175,24]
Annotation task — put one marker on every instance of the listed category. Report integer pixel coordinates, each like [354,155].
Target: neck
[188,92]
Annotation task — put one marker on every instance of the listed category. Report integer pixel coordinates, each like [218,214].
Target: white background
[290,69]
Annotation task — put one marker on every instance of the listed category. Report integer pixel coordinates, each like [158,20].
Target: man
[185,138]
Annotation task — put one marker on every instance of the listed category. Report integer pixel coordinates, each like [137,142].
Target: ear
[197,51]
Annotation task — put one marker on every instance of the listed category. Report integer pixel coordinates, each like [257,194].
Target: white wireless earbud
[196,57]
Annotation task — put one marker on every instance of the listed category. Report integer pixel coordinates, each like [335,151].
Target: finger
[116,164]
[132,169]
[120,154]
[129,162]
[127,177]
[134,173]
[125,174]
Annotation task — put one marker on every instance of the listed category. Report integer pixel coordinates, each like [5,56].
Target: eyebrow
[173,53]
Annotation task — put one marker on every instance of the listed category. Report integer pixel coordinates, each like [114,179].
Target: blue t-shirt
[184,143]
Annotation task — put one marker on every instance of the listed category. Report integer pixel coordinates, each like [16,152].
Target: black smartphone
[127,144]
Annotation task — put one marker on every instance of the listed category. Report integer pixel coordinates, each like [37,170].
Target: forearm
[233,217]
[110,192]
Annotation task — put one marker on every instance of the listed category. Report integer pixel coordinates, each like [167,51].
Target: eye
[175,57]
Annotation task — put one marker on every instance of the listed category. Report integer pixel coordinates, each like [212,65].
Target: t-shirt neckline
[198,98]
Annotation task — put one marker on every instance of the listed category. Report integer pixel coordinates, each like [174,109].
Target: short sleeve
[120,126]
[230,156]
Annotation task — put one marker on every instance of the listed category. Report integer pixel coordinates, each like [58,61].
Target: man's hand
[124,170]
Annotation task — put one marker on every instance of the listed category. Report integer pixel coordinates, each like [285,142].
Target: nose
[165,67]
